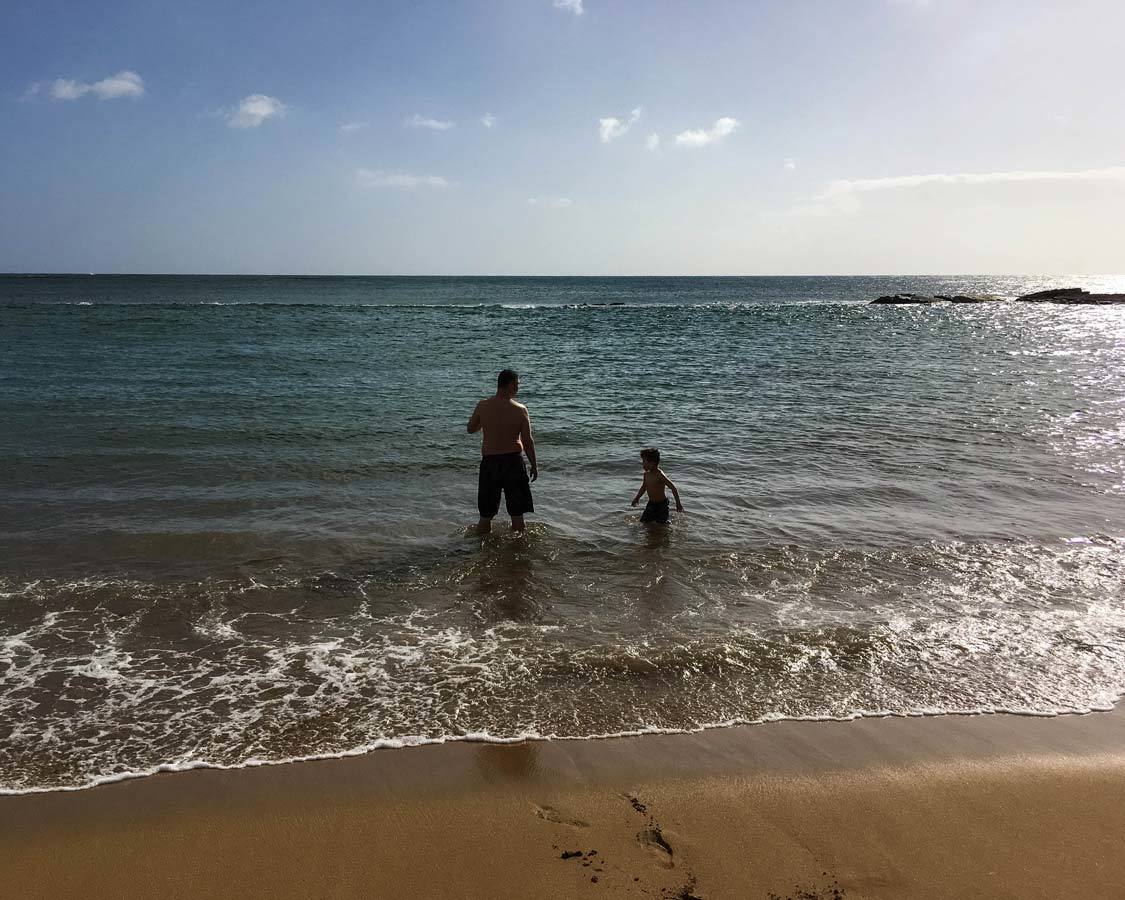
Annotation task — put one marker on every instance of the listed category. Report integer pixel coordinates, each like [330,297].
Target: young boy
[654,482]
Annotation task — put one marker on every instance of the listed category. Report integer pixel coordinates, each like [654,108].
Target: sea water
[236,512]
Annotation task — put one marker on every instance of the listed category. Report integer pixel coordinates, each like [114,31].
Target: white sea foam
[483,737]
[984,632]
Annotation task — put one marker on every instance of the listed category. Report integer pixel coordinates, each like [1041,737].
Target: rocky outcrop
[899,299]
[1071,295]
[903,298]
[1054,295]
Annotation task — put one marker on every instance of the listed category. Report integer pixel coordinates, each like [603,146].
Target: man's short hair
[506,377]
[651,454]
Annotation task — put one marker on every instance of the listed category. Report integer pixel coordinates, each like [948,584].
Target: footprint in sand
[653,840]
[553,815]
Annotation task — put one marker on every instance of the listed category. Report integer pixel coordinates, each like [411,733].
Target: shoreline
[393,745]
[991,805]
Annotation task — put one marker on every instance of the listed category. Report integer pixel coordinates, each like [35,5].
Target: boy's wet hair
[506,377]
[651,454]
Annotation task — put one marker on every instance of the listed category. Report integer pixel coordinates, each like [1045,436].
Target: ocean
[236,512]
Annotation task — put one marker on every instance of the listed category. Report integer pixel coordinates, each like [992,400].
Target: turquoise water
[234,512]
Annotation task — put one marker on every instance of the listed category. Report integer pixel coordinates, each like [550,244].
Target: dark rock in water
[903,298]
[963,298]
[1055,294]
[921,298]
[1071,295]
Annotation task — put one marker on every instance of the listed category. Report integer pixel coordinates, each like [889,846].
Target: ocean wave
[108,678]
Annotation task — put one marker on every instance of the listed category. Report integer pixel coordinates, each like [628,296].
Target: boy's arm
[528,444]
[672,488]
[474,420]
[637,499]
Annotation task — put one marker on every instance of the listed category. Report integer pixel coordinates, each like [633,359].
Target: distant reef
[900,299]
[1056,295]
[1071,295]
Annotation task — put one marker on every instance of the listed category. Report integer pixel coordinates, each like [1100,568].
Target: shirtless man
[507,436]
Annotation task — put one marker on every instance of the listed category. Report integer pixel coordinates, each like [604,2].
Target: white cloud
[350,127]
[488,120]
[701,137]
[790,164]
[611,128]
[551,202]
[371,179]
[575,6]
[843,195]
[420,121]
[255,109]
[652,142]
[65,89]
[862,185]
[123,84]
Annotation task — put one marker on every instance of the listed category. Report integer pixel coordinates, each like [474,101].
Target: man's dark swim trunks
[656,511]
[506,472]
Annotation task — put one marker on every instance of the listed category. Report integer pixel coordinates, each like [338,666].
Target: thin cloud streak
[124,84]
[368,178]
[419,121]
[700,137]
[842,196]
[863,185]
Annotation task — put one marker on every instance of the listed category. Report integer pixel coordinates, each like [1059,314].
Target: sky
[563,137]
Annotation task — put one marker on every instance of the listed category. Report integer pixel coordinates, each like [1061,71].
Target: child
[654,482]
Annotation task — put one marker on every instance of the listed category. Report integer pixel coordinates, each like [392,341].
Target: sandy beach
[944,807]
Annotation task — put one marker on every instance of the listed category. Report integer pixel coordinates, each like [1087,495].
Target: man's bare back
[506,425]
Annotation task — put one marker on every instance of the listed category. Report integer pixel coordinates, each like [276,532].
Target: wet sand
[948,807]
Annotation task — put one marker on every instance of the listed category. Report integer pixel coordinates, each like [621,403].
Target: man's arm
[474,420]
[528,444]
[668,483]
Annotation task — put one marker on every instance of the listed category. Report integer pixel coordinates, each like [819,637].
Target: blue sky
[808,136]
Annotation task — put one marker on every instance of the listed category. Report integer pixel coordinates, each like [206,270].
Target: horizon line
[560,275]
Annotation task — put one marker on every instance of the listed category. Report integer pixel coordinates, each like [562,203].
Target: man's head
[650,458]
[508,383]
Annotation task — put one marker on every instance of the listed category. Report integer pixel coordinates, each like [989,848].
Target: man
[507,436]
